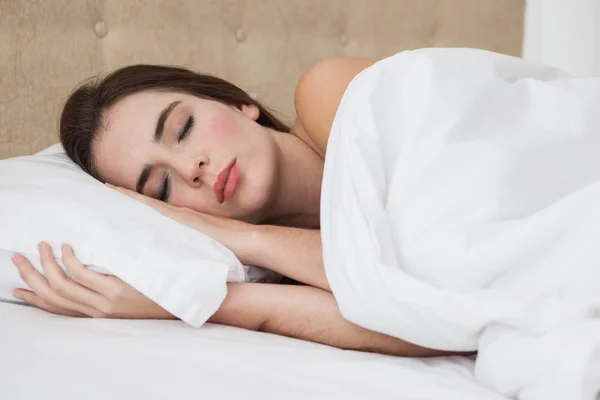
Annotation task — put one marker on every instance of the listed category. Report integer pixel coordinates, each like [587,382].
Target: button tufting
[240,35]
[344,40]
[101,29]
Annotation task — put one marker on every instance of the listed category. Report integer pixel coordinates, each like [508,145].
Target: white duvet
[461,211]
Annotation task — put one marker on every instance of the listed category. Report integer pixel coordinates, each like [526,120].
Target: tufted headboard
[47,47]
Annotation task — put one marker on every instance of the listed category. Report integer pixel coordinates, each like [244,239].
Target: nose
[192,170]
[196,171]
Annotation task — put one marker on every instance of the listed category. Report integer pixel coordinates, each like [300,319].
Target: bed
[263,46]
[48,356]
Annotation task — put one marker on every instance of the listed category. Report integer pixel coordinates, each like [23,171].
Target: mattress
[45,356]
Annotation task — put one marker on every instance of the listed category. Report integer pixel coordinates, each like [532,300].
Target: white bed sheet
[47,357]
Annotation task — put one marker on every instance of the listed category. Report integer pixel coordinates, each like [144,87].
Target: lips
[226,182]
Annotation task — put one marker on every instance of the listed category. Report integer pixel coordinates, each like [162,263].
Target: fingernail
[17,295]
[14,259]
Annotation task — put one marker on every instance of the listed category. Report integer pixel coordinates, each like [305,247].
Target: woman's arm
[306,313]
[293,252]
[301,312]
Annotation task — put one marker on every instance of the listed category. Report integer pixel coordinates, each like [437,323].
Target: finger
[101,285]
[66,287]
[31,276]
[38,284]
[86,299]
[31,298]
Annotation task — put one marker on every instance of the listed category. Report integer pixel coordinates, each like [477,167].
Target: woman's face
[190,152]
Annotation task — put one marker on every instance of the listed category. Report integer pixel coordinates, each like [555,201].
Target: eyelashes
[164,194]
[186,128]
[166,187]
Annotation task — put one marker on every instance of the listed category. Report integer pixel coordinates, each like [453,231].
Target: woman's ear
[251,111]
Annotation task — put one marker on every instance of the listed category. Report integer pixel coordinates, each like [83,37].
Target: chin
[254,202]
[256,193]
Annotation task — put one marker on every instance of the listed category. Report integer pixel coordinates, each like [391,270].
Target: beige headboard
[48,46]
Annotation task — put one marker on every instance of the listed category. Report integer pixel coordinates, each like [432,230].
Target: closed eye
[186,128]
[164,193]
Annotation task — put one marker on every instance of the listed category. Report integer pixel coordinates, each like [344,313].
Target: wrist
[255,237]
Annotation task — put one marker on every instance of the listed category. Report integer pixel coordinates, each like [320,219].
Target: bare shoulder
[318,95]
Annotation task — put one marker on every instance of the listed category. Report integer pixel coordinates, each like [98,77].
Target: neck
[298,194]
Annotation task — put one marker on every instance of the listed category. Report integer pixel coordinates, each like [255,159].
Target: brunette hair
[82,116]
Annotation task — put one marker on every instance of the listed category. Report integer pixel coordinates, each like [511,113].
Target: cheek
[223,128]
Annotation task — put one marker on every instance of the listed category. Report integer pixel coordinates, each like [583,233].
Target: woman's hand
[85,293]
[236,235]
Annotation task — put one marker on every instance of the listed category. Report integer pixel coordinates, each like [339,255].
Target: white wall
[564,33]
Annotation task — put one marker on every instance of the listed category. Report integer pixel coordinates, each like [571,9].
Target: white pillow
[54,149]
[46,197]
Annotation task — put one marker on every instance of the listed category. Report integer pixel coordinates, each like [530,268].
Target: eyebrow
[160,124]
[158,134]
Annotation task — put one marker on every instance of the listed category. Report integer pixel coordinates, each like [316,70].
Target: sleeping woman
[203,152]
